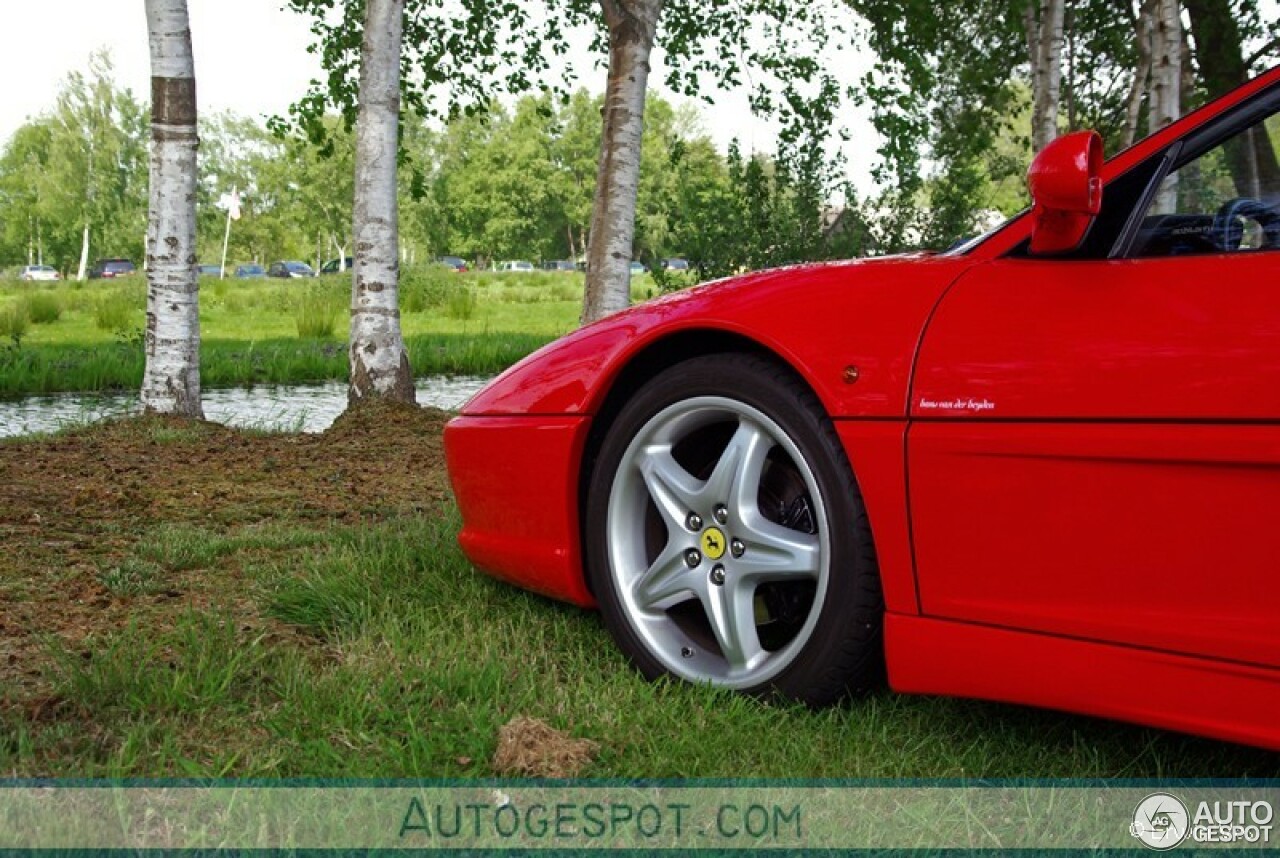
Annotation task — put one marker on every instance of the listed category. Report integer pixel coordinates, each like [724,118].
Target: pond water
[297,407]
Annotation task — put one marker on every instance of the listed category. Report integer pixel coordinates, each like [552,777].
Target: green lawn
[299,619]
[85,337]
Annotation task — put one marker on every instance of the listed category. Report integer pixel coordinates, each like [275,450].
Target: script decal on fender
[968,404]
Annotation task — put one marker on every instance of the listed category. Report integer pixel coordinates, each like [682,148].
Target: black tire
[843,651]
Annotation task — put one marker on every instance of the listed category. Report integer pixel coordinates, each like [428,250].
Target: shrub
[114,311]
[567,292]
[423,287]
[461,304]
[315,313]
[14,322]
[43,308]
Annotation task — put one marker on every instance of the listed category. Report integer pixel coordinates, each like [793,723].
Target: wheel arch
[655,357]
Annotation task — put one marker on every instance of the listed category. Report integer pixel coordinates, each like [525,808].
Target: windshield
[963,245]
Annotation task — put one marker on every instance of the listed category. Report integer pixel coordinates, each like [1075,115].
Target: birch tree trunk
[632,25]
[379,361]
[1220,57]
[84,254]
[1166,71]
[1143,31]
[171,381]
[1166,86]
[1043,22]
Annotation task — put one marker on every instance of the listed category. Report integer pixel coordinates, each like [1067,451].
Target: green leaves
[85,162]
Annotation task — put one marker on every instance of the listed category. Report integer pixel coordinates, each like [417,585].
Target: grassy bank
[190,600]
[118,366]
[88,336]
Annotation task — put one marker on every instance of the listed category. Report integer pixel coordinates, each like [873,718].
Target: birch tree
[171,380]
[1043,23]
[1144,24]
[632,26]
[1218,30]
[379,360]
[96,178]
[1166,85]
[477,47]
[1166,64]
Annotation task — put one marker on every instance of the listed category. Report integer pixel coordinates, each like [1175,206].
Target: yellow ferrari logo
[713,543]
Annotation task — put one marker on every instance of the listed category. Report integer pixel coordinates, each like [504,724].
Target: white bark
[1144,31]
[1043,21]
[1166,73]
[1166,85]
[632,26]
[171,381]
[379,361]
[84,255]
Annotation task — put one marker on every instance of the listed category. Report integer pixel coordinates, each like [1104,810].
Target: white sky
[251,58]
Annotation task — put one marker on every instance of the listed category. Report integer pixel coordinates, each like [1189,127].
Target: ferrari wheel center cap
[713,543]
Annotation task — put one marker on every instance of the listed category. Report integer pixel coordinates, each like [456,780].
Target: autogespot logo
[1160,821]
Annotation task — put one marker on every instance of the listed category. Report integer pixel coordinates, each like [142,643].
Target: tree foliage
[458,53]
[84,163]
[503,183]
[950,88]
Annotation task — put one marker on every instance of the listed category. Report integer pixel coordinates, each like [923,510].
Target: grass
[118,365]
[43,308]
[272,628]
[410,663]
[14,323]
[88,337]
[316,314]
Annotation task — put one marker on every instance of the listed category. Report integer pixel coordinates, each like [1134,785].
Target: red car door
[1095,445]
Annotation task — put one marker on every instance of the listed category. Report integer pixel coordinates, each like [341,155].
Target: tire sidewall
[781,397]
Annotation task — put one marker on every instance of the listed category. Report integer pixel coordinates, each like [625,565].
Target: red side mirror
[1066,187]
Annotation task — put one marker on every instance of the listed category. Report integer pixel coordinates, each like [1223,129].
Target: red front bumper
[516,482]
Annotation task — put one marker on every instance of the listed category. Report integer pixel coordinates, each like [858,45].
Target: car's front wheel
[727,542]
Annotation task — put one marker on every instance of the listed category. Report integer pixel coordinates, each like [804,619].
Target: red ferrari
[1043,467]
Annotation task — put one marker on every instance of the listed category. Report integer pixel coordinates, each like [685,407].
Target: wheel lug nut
[693,522]
[717,575]
[721,514]
[737,548]
[692,558]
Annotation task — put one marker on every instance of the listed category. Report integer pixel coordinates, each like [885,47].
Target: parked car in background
[456,263]
[675,264]
[337,266]
[210,270]
[637,267]
[38,272]
[516,265]
[560,265]
[290,269]
[250,271]
[106,269]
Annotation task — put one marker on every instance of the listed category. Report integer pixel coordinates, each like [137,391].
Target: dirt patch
[81,503]
[528,747]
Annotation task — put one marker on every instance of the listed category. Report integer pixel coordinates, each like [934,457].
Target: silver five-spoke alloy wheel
[718,543]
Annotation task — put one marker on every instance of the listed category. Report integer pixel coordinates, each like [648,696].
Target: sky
[251,58]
